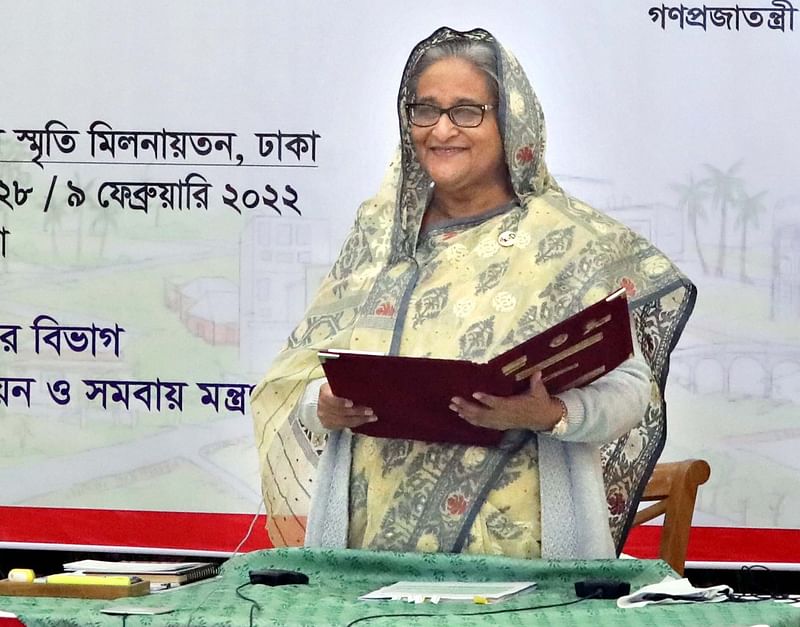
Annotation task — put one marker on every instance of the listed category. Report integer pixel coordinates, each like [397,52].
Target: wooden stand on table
[73,590]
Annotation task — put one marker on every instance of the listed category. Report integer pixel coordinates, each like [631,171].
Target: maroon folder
[411,395]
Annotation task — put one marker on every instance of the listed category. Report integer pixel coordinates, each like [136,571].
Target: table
[338,577]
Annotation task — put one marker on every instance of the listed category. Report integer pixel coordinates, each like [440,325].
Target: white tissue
[679,591]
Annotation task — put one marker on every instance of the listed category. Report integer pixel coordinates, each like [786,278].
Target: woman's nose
[444,127]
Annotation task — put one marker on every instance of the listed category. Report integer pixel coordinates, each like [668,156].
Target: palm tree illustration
[104,220]
[748,209]
[692,196]
[76,198]
[725,186]
[78,233]
[51,223]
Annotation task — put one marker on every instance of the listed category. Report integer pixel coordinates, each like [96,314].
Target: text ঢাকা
[154,147]
[106,145]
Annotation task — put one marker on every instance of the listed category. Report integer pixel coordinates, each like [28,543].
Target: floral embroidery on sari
[420,505]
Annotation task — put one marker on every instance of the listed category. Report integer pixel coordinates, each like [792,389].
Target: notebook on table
[153,572]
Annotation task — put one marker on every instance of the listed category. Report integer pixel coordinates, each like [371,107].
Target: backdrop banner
[176,179]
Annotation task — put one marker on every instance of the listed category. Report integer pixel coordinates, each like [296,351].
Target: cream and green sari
[466,289]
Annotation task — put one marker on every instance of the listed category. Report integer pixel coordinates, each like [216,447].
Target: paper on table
[133,568]
[129,610]
[449,590]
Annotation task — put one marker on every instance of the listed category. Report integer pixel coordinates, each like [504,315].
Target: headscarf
[360,303]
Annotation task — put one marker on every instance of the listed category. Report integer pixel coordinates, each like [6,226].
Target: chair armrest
[669,476]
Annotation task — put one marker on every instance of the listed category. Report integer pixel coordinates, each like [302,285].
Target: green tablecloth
[337,578]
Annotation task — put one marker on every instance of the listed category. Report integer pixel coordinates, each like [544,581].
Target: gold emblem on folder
[567,352]
[595,324]
[512,366]
[558,340]
[558,373]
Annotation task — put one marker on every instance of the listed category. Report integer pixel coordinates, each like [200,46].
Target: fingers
[345,417]
[474,413]
[528,410]
[488,400]
[341,413]
[537,387]
[502,413]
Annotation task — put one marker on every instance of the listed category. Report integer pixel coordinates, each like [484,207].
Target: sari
[460,290]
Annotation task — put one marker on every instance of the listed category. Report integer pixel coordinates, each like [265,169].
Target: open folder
[411,395]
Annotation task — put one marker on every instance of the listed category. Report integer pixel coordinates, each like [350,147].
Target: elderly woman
[469,248]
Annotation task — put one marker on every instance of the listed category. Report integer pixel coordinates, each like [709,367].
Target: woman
[469,248]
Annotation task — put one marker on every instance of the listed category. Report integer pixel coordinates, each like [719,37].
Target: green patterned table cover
[338,577]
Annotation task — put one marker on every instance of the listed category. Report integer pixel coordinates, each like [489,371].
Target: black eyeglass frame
[449,111]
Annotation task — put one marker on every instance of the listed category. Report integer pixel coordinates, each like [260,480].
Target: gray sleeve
[611,406]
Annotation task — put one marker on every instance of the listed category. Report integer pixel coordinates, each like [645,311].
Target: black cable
[754,592]
[503,611]
[255,605]
[751,585]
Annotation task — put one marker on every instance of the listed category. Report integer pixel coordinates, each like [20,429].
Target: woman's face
[459,160]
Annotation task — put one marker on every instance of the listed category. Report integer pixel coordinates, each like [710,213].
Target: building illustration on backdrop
[785,287]
[208,307]
[282,262]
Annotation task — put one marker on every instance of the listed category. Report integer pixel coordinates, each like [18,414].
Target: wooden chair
[673,485]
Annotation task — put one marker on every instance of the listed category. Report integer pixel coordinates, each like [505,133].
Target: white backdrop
[686,134]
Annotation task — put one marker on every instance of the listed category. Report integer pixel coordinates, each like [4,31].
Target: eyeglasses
[464,115]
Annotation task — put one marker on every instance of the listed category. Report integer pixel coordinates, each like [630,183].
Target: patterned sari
[459,290]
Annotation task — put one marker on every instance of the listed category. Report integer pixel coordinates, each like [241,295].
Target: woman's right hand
[340,413]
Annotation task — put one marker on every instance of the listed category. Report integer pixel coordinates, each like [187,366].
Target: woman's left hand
[534,409]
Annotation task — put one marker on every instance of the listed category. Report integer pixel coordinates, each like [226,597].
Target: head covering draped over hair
[362,304]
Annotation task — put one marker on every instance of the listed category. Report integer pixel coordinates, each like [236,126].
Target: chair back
[673,490]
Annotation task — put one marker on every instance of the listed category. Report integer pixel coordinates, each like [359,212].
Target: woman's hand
[340,413]
[534,409]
